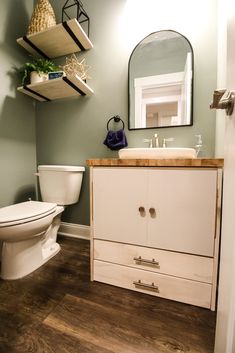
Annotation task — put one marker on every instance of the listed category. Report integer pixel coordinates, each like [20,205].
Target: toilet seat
[25,212]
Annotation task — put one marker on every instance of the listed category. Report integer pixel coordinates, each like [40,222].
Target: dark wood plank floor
[58,310]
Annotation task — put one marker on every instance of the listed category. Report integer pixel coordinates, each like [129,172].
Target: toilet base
[22,258]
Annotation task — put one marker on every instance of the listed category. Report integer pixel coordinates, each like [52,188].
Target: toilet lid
[25,212]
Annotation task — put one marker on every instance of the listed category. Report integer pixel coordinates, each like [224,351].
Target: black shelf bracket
[82,16]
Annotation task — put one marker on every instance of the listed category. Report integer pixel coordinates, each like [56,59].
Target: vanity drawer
[187,266]
[164,286]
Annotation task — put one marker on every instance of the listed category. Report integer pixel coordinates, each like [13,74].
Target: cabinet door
[184,202]
[118,193]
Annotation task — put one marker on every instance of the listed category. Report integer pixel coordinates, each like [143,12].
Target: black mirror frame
[192,85]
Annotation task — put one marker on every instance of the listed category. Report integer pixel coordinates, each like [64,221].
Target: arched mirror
[161,82]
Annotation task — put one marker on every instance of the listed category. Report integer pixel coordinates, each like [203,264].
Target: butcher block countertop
[197,162]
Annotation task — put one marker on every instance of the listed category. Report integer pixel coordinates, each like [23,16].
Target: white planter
[36,77]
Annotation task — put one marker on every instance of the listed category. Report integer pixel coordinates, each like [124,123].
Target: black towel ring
[117,119]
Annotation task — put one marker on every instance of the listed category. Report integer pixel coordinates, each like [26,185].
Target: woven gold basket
[43,17]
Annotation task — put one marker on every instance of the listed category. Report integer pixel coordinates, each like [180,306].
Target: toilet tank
[60,183]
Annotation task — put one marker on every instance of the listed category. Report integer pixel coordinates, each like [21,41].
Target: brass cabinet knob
[141,209]
[152,211]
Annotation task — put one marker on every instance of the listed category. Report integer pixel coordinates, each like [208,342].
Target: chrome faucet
[154,142]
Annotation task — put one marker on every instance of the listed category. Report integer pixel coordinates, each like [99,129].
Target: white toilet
[28,230]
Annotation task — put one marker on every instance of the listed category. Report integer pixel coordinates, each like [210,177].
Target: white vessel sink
[157,153]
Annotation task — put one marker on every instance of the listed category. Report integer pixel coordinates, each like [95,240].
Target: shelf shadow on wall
[17,19]
[17,120]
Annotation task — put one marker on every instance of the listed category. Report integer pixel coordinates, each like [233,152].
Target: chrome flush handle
[223,99]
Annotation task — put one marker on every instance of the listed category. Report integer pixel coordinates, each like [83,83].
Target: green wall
[71,131]
[17,113]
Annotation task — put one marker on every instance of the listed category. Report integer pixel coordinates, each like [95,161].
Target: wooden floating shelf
[65,38]
[58,88]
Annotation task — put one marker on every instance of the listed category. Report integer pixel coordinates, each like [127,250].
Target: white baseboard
[74,230]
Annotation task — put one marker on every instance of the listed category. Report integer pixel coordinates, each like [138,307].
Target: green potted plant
[36,71]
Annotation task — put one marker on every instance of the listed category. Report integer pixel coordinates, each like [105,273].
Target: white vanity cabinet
[156,230]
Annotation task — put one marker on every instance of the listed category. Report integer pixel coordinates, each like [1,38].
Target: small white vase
[36,77]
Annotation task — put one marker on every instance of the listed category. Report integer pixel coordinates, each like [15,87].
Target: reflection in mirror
[161,81]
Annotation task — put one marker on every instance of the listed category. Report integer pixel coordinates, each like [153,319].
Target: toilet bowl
[22,226]
[28,230]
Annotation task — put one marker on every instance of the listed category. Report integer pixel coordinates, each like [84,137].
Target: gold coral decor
[42,18]
[74,67]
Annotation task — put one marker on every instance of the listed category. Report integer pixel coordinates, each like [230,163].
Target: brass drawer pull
[140,261]
[152,287]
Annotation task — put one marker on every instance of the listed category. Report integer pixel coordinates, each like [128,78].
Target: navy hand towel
[115,140]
